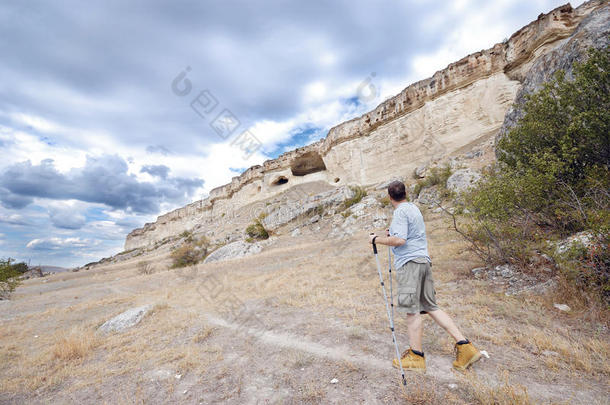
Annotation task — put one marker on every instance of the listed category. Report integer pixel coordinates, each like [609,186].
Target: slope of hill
[298,317]
[429,121]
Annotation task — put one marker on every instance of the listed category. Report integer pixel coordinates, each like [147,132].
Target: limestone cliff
[426,122]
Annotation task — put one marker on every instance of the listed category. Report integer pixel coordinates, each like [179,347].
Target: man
[416,294]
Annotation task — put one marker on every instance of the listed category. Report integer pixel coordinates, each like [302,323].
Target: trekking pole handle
[374,245]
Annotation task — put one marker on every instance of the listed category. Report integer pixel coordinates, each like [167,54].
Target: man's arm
[388,240]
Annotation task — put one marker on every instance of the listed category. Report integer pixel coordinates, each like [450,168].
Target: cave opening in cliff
[307,163]
[279,181]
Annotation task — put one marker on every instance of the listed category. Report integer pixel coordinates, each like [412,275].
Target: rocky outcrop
[462,179]
[33,272]
[593,31]
[281,214]
[427,121]
[233,251]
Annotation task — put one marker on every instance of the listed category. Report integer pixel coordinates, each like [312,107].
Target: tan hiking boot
[411,361]
[466,355]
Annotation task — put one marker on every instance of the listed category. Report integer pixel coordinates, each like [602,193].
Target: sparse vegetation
[552,179]
[257,230]
[385,201]
[319,210]
[145,267]
[436,176]
[359,194]
[187,236]
[74,345]
[190,252]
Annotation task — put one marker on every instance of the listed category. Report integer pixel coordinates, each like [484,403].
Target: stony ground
[281,326]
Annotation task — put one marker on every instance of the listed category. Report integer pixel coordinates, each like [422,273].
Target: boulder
[292,209]
[593,31]
[368,202]
[385,184]
[584,238]
[429,196]
[33,272]
[233,250]
[462,179]
[125,320]
[420,172]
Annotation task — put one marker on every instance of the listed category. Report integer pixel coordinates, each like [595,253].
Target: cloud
[156,170]
[67,218]
[95,143]
[103,179]
[13,219]
[55,243]
[11,200]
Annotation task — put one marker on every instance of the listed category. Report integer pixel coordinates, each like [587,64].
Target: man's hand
[387,240]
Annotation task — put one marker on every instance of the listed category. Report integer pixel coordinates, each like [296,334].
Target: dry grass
[76,344]
[505,393]
[334,292]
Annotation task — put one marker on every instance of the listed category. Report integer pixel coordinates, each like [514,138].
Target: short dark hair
[396,190]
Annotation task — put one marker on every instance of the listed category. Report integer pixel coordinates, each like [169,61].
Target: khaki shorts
[416,292]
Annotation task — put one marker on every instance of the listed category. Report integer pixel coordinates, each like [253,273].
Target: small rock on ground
[125,320]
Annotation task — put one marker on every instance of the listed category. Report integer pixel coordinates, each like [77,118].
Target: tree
[9,276]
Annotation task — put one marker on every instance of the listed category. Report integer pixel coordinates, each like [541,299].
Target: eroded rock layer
[426,122]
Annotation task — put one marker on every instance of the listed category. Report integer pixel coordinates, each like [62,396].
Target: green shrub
[187,235]
[257,230]
[9,276]
[552,177]
[385,201]
[436,176]
[359,194]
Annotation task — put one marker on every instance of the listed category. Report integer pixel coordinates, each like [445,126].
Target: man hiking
[416,294]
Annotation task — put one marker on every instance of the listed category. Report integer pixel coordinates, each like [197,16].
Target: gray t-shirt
[408,224]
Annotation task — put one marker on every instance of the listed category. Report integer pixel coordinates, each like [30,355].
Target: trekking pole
[390,317]
[390,272]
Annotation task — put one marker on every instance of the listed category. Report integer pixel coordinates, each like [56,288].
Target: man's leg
[415,331]
[409,359]
[446,323]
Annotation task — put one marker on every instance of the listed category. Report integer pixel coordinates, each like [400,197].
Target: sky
[115,112]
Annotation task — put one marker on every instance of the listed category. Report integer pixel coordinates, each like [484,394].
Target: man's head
[396,191]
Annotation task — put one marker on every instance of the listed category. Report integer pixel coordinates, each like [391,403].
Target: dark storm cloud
[102,180]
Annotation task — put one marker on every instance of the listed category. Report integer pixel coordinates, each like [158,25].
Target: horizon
[99,137]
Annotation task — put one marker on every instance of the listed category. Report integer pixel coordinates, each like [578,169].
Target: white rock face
[233,251]
[462,179]
[427,121]
[278,216]
[125,320]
